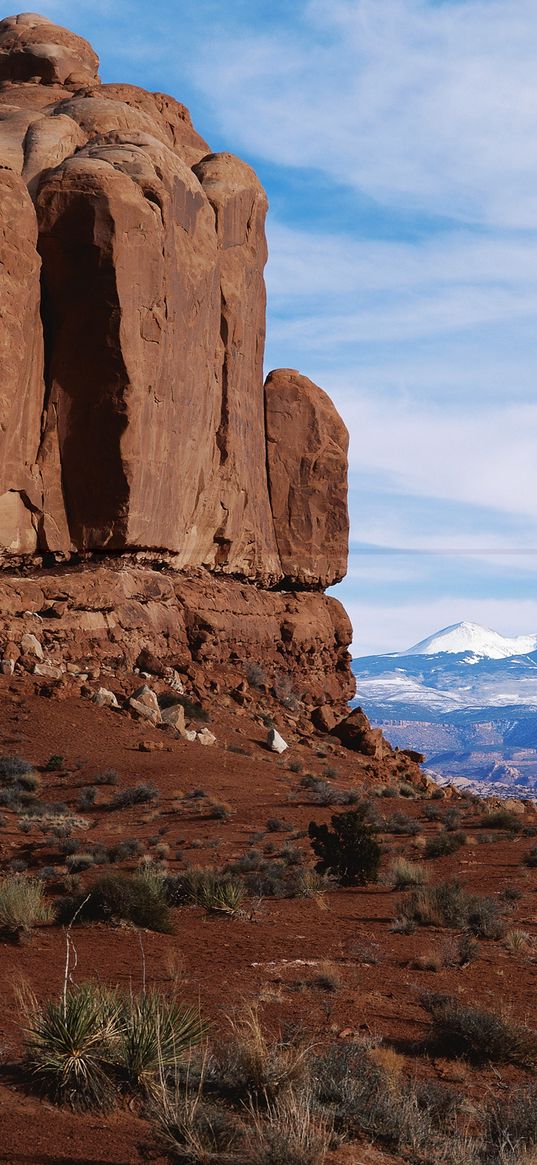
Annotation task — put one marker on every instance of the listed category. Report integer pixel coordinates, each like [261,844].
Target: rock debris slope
[133,414]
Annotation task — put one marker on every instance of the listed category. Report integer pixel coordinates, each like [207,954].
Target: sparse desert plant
[401,824]
[289,1131]
[193,1130]
[252,1064]
[69,1046]
[349,850]
[450,904]
[107,777]
[403,873]
[462,1030]
[326,977]
[222,895]
[154,1034]
[517,940]
[502,819]
[18,773]
[443,844]
[22,905]
[217,810]
[134,795]
[54,764]
[530,859]
[117,897]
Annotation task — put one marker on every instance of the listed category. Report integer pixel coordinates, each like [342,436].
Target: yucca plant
[223,895]
[70,1044]
[155,1034]
[22,905]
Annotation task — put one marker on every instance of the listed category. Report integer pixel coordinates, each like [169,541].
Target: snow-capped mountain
[466,697]
[470,638]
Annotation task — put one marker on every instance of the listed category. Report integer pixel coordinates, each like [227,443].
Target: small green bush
[450,904]
[348,851]
[443,844]
[134,795]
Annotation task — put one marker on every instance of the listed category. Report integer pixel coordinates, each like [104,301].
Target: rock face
[307,445]
[133,416]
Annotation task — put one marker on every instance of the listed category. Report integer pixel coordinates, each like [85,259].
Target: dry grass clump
[254,1065]
[402,873]
[22,905]
[290,1131]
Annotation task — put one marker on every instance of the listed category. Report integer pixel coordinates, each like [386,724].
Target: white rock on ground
[206,737]
[105,699]
[276,742]
[174,715]
[31,646]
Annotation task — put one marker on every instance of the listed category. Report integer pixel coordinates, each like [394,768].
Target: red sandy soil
[269,955]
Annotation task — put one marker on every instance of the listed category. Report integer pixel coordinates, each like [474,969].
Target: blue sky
[397,140]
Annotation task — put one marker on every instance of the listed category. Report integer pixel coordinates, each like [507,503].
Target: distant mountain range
[467,698]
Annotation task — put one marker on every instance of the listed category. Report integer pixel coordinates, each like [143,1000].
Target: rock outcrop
[307,446]
[133,415]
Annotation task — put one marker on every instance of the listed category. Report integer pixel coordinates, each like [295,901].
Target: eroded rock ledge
[107,616]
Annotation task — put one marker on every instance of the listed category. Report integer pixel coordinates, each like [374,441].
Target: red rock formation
[307,446]
[134,416]
[32,47]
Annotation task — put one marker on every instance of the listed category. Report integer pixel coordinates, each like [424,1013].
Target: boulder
[275,742]
[205,737]
[105,699]
[143,712]
[30,645]
[356,733]
[307,445]
[175,717]
[147,696]
[33,47]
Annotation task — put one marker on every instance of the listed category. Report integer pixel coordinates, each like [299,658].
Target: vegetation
[22,905]
[450,904]
[483,1036]
[348,851]
[138,898]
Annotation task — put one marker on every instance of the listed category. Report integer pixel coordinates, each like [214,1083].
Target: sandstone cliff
[133,414]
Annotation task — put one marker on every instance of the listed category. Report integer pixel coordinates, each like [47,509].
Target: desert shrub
[401,824]
[76,863]
[449,904]
[511,1129]
[443,844]
[530,859]
[290,1131]
[284,692]
[134,795]
[250,1064]
[277,825]
[403,873]
[22,905]
[107,777]
[123,898]
[502,819]
[87,798]
[406,789]
[216,890]
[154,1034]
[482,1036]
[193,1129]
[348,851]
[256,675]
[54,764]
[18,773]
[517,940]
[68,1047]
[324,794]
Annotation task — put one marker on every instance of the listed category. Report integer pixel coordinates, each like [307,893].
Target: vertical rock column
[21,363]
[243,540]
